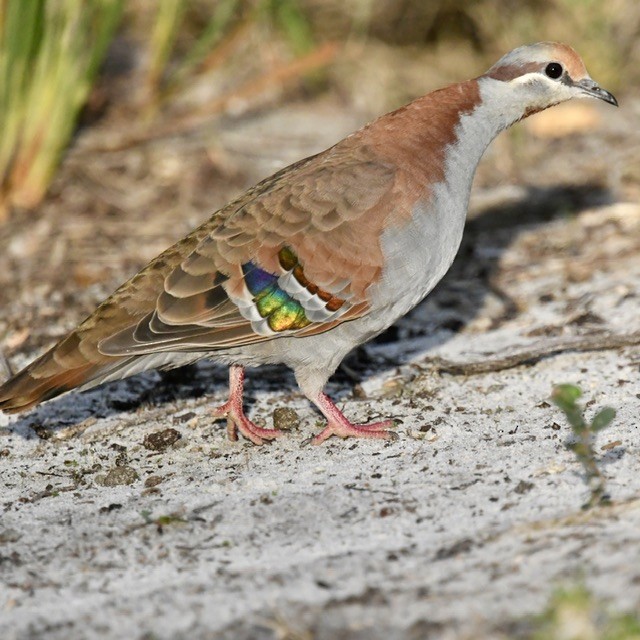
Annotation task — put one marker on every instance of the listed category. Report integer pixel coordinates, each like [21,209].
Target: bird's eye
[554,70]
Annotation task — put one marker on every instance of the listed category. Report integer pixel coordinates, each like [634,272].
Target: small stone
[392,388]
[110,507]
[152,481]
[185,417]
[122,459]
[358,392]
[161,440]
[462,546]
[42,432]
[118,476]
[523,487]
[285,418]
[9,535]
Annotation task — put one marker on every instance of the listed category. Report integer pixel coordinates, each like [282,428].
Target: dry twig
[250,90]
[531,355]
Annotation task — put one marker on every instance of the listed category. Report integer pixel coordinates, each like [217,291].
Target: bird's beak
[591,88]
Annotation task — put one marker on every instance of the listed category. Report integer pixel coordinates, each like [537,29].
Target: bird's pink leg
[338,424]
[232,409]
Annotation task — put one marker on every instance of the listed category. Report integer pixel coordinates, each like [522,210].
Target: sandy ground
[114,527]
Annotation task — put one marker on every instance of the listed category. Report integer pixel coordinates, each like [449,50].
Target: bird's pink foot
[236,419]
[374,430]
[339,425]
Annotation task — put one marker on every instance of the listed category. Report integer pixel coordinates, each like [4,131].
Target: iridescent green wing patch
[282,311]
[288,301]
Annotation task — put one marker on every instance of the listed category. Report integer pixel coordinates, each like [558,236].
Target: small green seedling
[161,521]
[565,396]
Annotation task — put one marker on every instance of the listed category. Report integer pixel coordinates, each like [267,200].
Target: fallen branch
[529,356]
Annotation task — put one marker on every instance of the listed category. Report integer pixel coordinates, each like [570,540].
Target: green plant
[50,53]
[288,18]
[565,396]
[170,20]
[165,30]
[574,614]
[161,521]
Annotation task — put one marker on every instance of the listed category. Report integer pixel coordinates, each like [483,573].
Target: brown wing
[292,258]
[315,226]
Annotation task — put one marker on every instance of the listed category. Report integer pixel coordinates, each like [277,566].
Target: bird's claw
[345,429]
[237,421]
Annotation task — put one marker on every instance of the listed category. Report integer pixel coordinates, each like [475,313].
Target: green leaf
[564,396]
[566,393]
[603,419]
[290,18]
[562,403]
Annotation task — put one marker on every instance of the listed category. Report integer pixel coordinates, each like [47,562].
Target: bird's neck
[445,132]
[477,125]
[435,143]
[493,111]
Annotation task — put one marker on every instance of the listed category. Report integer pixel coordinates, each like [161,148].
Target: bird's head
[541,75]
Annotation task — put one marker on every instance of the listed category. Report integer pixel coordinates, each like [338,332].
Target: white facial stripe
[534,77]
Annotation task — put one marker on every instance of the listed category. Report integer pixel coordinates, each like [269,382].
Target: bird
[316,259]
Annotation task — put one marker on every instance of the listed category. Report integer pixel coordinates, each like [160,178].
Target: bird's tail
[70,364]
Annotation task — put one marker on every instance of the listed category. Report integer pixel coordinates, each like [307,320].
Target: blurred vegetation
[184,35]
[50,53]
[606,33]
[201,57]
[575,614]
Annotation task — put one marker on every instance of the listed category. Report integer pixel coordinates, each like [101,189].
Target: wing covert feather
[293,256]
